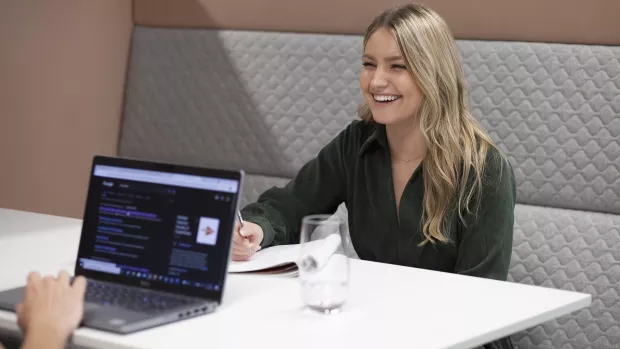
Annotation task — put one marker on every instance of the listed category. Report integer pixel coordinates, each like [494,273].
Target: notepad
[280,260]
[285,259]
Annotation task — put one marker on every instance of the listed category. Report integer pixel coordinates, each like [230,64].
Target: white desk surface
[388,306]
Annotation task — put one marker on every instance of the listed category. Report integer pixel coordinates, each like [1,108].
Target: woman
[423,183]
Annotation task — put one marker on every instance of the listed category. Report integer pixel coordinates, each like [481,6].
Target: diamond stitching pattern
[555,110]
[580,252]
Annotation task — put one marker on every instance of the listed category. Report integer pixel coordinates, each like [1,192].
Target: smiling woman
[423,184]
[413,83]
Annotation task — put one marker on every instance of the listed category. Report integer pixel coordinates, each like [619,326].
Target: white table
[389,306]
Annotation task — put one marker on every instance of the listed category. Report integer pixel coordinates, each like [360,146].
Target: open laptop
[155,243]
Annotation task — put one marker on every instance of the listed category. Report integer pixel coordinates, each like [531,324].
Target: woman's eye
[399,66]
[367,64]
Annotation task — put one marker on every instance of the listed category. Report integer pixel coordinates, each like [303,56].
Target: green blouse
[355,168]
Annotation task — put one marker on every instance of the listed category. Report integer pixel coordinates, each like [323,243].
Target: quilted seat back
[555,110]
[267,102]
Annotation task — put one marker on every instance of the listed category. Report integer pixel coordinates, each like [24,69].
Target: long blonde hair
[456,144]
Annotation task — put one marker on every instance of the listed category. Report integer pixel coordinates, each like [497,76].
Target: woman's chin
[382,118]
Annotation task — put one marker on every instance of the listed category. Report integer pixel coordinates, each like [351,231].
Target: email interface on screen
[158,226]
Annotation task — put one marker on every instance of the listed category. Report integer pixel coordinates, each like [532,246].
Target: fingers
[32,283]
[241,244]
[238,239]
[79,286]
[63,277]
[49,281]
[246,242]
[243,233]
[244,252]
[254,240]
[239,230]
[242,247]
[239,247]
[52,301]
[34,277]
[236,257]
[252,244]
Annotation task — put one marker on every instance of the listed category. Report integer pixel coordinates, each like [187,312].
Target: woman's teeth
[385,98]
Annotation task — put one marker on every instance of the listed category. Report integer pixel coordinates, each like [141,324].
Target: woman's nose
[378,80]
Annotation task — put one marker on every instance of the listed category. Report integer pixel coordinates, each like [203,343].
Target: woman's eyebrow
[387,59]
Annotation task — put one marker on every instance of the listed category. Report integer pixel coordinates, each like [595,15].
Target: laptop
[155,243]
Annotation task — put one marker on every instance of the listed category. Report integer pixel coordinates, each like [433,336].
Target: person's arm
[485,243]
[318,188]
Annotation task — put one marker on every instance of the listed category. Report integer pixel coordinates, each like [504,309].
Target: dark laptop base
[119,320]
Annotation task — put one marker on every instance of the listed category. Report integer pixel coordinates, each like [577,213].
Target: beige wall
[62,65]
[565,21]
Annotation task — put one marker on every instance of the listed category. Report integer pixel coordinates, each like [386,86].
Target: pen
[241,227]
[240,221]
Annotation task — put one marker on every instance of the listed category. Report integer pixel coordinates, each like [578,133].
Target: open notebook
[279,260]
[286,259]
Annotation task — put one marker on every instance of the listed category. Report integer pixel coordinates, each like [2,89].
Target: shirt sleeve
[318,188]
[485,242]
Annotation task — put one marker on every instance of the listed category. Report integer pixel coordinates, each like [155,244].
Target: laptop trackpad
[90,310]
[109,318]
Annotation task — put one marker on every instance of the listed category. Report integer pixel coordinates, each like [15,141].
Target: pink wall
[62,72]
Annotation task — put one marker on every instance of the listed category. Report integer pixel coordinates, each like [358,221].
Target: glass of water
[323,264]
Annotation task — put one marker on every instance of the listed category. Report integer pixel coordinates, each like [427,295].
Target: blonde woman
[423,183]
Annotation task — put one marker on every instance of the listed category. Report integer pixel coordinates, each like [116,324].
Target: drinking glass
[323,264]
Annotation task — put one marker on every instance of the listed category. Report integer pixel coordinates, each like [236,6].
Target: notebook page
[266,258]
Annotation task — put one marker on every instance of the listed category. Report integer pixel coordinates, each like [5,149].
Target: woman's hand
[246,240]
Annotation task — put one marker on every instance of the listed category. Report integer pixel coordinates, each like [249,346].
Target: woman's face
[388,88]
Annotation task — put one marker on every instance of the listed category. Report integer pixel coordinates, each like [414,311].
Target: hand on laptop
[246,240]
[52,305]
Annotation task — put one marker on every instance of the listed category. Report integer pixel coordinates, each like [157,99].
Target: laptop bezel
[156,285]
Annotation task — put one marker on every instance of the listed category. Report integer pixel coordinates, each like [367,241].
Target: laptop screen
[166,227]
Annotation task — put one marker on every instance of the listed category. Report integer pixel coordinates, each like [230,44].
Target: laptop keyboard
[131,298]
